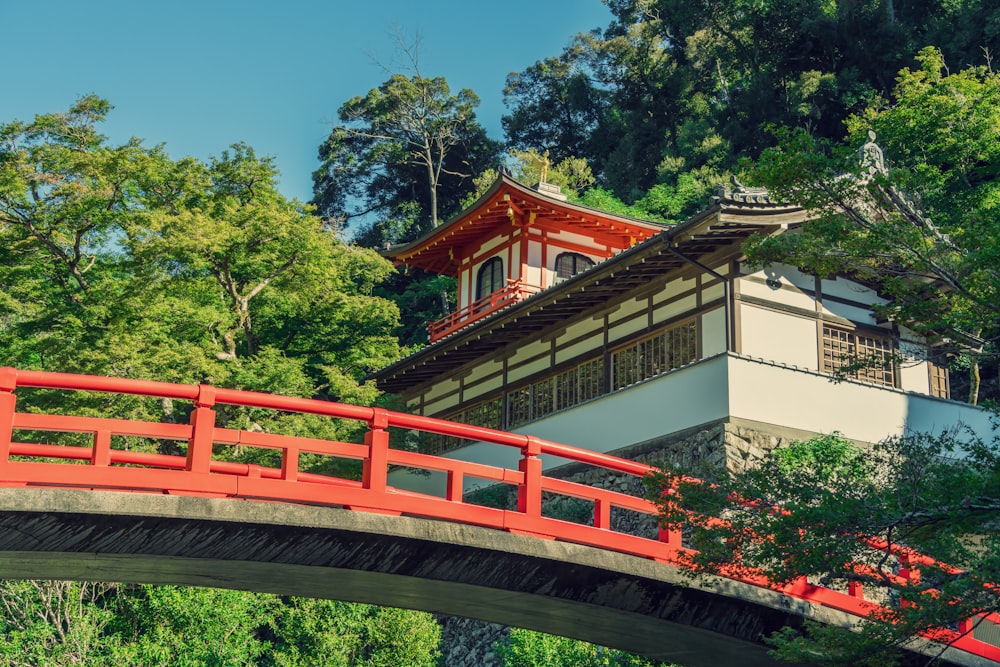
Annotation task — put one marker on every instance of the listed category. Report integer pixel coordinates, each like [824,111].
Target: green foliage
[54,623]
[337,634]
[925,226]
[117,260]
[170,625]
[674,86]
[69,623]
[120,261]
[535,649]
[404,152]
[605,200]
[810,511]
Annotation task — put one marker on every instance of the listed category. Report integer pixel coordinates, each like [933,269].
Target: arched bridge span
[99,510]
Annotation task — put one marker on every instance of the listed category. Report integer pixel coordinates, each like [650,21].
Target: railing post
[602,514]
[8,382]
[199,451]
[101,454]
[456,486]
[290,464]
[376,466]
[529,492]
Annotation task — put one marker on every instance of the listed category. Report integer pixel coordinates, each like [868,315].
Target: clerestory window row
[625,366]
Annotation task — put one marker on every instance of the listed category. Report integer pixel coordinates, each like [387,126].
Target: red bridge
[102,512]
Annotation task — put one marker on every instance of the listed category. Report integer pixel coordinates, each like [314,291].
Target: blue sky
[199,76]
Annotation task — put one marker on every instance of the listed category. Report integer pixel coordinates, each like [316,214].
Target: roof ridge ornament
[872,157]
[744,193]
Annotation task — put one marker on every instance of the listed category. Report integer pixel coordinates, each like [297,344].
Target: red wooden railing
[511,293]
[102,466]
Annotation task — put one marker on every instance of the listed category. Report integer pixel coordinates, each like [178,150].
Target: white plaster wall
[570,237]
[533,272]
[713,332]
[788,296]
[619,328]
[673,288]
[813,402]
[482,369]
[852,313]
[592,329]
[464,280]
[847,289]
[439,389]
[915,376]
[676,308]
[914,373]
[713,292]
[788,275]
[778,336]
[490,243]
[525,352]
[590,345]
[721,386]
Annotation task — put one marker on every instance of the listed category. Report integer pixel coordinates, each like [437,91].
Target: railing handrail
[11,378]
[512,292]
[197,472]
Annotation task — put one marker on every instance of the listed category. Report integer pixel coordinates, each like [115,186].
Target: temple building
[644,340]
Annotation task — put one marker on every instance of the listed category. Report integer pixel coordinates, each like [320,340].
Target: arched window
[490,277]
[571,263]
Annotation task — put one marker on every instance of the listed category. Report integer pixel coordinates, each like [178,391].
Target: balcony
[514,291]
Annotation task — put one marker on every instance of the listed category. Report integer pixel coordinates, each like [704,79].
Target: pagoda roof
[717,233]
[440,249]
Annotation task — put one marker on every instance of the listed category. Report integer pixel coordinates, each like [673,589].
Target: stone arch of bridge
[608,598]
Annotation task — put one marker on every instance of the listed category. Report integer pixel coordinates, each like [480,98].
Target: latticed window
[940,385]
[860,356]
[563,390]
[569,264]
[654,355]
[486,414]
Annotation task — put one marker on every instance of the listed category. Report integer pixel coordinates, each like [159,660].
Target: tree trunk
[974,382]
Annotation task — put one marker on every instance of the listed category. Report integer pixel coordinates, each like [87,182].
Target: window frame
[834,339]
[576,258]
[496,275]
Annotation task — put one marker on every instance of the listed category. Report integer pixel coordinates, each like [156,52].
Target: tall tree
[917,214]
[556,104]
[917,217]
[402,148]
[117,260]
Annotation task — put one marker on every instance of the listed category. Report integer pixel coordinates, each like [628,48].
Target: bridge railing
[200,471]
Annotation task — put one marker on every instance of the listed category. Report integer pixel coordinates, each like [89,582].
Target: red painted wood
[199,472]
[513,292]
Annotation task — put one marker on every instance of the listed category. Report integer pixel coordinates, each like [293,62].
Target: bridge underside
[606,598]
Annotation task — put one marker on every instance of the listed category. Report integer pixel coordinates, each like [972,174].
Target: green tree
[556,104]
[54,623]
[340,634]
[923,224]
[816,508]
[117,260]
[526,648]
[917,217]
[402,148]
[171,625]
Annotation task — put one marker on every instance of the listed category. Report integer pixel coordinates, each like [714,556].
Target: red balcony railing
[514,291]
